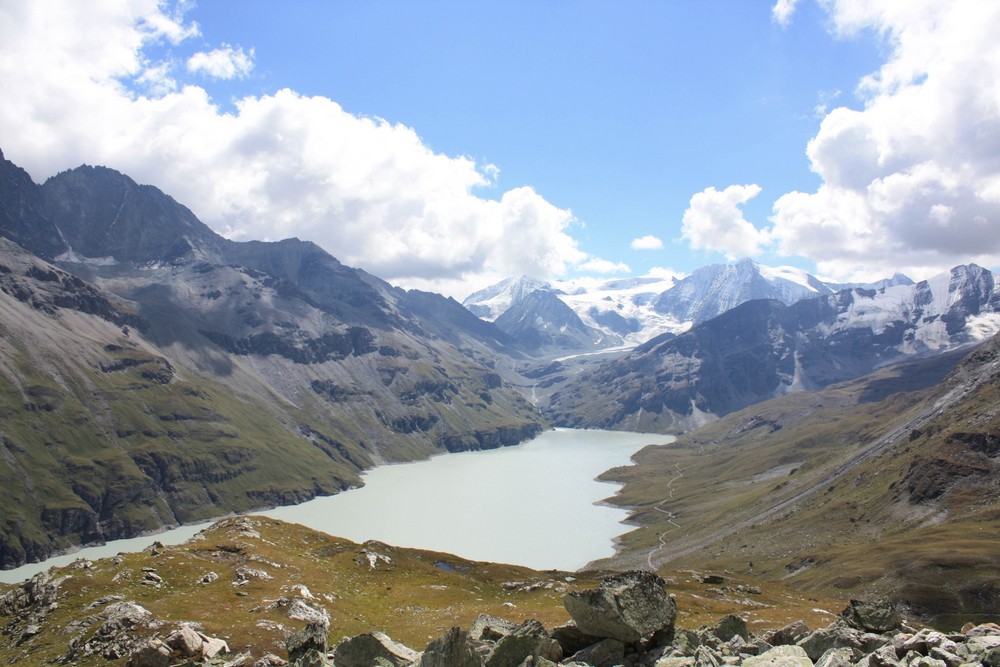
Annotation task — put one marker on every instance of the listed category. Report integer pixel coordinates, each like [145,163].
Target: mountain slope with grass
[884,485]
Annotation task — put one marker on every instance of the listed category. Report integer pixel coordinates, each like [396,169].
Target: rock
[270,660]
[572,639]
[212,646]
[713,579]
[490,628]
[839,635]
[685,642]
[675,661]
[788,634]
[728,627]
[454,649]
[780,656]
[877,616]
[706,657]
[528,640]
[153,653]
[982,630]
[367,649]
[606,653]
[310,640]
[836,657]
[626,607]
[186,642]
[208,578]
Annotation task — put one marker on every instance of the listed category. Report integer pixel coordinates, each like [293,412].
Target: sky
[446,145]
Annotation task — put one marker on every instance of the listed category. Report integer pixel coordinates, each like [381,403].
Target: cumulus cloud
[648,242]
[782,11]
[224,63]
[367,190]
[713,221]
[913,178]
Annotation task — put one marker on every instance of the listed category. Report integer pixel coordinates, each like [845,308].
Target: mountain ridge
[156,373]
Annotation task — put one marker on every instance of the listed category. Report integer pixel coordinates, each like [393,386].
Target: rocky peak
[101,214]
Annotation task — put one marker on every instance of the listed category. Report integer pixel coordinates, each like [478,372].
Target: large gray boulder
[490,628]
[454,649]
[308,644]
[873,616]
[839,635]
[373,648]
[626,607]
[528,640]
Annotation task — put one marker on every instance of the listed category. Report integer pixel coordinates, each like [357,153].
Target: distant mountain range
[633,310]
[763,348]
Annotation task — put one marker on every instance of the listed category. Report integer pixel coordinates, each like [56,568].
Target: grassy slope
[414,598]
[828,491]
[95,434]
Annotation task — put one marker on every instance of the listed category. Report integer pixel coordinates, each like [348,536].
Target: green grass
[416,597]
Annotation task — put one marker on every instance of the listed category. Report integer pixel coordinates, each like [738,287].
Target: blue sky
[444,145]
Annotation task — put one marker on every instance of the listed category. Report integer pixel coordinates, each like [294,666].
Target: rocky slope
[154,372]
[887,485]
[763,349]
[251,591]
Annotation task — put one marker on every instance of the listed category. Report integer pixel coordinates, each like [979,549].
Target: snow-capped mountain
[714,289]
[634,310]
[764,348]
[541,323]
[493,301]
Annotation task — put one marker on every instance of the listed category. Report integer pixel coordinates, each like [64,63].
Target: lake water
[535,504]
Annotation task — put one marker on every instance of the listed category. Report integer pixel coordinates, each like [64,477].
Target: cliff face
[155,373]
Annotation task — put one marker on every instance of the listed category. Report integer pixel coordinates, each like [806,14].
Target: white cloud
[648,242]
[911,179]
[782,11]
[604,266]
[713,221]
[224,63]
[367,190]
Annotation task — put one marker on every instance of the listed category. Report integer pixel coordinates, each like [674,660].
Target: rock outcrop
[635,607]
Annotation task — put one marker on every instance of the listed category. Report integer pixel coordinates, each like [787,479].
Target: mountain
[762,349]
[155,373]
[714,289]
[491,302]
[541,323]
[884,485]
[631,311]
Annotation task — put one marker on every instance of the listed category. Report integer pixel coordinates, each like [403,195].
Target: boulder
[309,641]
[371,648]
[572,638]
[605,653]
[528,640]
[153,653]
[836,657]
[788,634]
[454,649]
[839,635]
[728,627]
[186,642]
[626,607]
[490,628]
[780,656]
[876,616]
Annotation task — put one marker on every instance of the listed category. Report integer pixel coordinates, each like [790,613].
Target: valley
[834,441]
